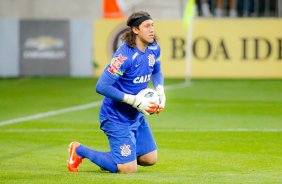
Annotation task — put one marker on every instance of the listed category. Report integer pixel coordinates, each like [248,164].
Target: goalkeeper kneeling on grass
[122,115]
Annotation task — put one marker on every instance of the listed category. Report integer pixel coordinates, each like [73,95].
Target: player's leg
[102,159]
[123,145]
[146,147]
[77,152]
[148,159]
[126,168]
[122,157]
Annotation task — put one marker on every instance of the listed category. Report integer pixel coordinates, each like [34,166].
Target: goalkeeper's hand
[160,91]
[141,103]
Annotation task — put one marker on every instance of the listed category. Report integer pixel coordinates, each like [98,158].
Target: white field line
[71,109]
[51,113]
[178,86]
[157,130]
[221,130]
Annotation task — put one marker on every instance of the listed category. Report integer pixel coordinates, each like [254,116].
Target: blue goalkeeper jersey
[130,71]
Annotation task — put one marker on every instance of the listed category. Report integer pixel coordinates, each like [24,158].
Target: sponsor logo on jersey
[142,79]
[152,60]
[116,64]
[125,150]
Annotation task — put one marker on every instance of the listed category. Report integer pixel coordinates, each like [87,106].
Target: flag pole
[188,22]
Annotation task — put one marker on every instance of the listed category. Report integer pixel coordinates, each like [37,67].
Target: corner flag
[188,12]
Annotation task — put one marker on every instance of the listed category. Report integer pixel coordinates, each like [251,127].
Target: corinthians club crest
[151,59]
[125,150]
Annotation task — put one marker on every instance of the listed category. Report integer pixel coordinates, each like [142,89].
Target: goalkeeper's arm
[105,87]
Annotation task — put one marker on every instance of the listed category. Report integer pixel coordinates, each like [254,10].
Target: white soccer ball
[151,94]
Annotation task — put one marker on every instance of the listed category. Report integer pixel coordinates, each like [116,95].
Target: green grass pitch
[214,131]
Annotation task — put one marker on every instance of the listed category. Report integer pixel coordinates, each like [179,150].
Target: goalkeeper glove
[160,91]
[141,103]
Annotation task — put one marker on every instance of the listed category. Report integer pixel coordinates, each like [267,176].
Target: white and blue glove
[160,91]
[141,103]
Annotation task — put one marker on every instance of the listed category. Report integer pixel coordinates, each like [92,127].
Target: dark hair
[133,21]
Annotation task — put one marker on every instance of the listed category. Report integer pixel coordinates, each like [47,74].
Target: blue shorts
[127,142]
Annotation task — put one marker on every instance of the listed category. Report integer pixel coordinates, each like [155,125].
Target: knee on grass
[127,168]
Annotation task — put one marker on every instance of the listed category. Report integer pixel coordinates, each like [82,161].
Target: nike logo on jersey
[142,79]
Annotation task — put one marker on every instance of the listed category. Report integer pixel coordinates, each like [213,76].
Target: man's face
[146,31]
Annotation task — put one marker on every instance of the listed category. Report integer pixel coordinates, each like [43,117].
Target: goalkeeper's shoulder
[127,53]
[154,46]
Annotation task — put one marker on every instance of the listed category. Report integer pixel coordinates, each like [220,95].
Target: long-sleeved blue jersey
[129,72]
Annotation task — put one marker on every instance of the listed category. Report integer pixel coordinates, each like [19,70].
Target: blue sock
[102,159]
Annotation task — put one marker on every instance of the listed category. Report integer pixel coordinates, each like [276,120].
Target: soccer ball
[152,94]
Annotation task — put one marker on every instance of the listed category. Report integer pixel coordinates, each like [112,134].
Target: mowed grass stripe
[72,109]
[51,113]
[215,131]
[157,130]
